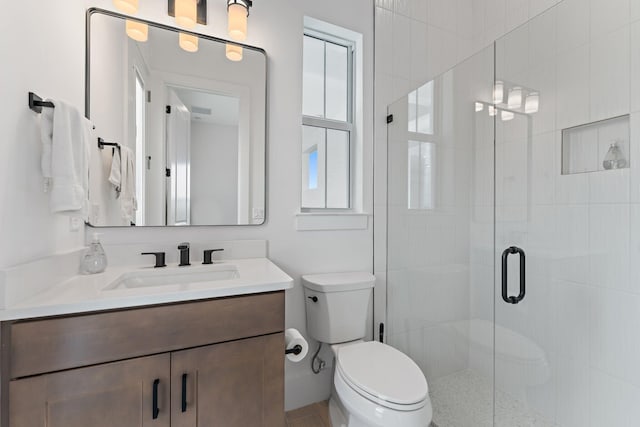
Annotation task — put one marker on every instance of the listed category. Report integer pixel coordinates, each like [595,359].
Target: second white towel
[128,202]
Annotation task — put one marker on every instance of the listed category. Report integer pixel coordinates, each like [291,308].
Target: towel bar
[102,143]
[36,103]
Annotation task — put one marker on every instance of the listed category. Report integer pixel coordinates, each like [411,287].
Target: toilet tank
[337,305]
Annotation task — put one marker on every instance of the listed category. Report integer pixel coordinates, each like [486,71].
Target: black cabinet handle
[155,411]
[505,293]
[184,392]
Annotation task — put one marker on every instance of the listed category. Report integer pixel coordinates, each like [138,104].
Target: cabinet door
[114,394]
[238,383]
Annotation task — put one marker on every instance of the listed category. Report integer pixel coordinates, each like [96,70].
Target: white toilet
[373,383]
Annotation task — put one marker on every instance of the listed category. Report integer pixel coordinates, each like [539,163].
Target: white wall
[214,173]
[50,61]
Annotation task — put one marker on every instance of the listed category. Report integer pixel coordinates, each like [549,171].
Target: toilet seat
[383,375]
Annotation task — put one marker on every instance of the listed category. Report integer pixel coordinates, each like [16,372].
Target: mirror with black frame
[184,130]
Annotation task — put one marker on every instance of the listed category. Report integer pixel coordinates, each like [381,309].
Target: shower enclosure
[513,264]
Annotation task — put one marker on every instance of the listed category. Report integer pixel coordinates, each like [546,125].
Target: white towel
[128,202]
[115,176]
[69,155]
[46,135]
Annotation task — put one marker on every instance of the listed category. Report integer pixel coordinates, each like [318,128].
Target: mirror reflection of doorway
[203,157]
[140,122]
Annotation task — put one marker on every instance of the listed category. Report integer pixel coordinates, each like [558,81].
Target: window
[421,109]
[327,121]
[422,148]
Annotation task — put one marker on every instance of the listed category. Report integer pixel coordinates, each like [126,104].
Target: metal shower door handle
[505,255]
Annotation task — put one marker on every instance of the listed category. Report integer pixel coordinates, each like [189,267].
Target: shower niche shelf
[596,146]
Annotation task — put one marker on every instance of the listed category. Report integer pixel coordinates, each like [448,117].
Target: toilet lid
[383,372]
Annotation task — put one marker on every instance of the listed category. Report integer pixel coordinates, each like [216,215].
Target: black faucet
[207,255]
[160,262]
[184,254]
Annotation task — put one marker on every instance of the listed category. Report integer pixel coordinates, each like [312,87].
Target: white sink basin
[173,276]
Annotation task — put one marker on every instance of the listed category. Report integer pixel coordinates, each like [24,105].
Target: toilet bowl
[377,385]
[374,385]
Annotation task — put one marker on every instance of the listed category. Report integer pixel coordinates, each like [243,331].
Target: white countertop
[86,293]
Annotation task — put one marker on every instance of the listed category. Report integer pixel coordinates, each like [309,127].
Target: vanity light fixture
[492,111]
[188,13]
[237,14]
[126,6]
[479,107]
[234,52]
[506,115]
[188,42]
[137,30]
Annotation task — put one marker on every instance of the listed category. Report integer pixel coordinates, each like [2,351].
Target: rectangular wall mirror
[184,131]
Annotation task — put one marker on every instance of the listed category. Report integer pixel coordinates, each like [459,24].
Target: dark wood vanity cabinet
[108,395]
[228,385]
[208,363]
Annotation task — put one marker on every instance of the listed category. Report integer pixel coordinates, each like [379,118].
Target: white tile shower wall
[584,299]
[50,61]
[415,41]
[428,260]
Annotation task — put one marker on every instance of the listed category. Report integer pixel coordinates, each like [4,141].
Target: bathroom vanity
[204,363]
[199,349]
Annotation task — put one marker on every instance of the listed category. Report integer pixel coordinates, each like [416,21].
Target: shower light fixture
[234,52]
[498,92]
[126,6]
[188,42]
[532,103]
[138,31]
[506,115]
[514,100]
[237,14]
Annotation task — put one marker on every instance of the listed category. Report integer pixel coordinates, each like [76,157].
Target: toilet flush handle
[314,298]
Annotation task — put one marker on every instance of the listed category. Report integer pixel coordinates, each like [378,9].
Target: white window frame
[353,41]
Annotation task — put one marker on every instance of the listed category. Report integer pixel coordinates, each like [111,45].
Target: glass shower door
[440,238]
[567,290]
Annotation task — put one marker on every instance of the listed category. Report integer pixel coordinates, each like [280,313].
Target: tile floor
[465,399]
[315,415]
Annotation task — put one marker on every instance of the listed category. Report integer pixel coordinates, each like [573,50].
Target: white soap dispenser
[94,259]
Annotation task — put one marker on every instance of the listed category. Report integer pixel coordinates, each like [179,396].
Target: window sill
[325,221]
